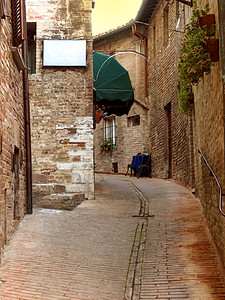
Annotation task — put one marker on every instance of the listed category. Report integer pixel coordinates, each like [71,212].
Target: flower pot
[207,20]
[213,49]
[98,117]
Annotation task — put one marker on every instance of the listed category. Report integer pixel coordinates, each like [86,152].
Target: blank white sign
[71,53]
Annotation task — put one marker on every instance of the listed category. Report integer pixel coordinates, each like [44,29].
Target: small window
[133,121]
[166,25]
[2,9]
[177,9]
[109,128]
[31,38]
[138,46]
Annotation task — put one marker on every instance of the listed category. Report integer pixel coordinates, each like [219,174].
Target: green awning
[112,86]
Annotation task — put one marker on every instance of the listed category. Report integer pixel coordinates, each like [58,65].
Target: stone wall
[12,192]
[62,101]
[129,140]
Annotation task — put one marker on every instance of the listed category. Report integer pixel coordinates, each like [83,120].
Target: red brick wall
[204,129]
[12,133]
[209,137]
[163,90]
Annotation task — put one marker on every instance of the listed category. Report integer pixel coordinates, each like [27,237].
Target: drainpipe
[221,14]
[145,40]
[27,118]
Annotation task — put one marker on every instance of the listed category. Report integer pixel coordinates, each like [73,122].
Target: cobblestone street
[139,239]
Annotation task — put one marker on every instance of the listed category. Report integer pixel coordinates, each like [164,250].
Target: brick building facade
[13,116]
[175,138]
[208,117]
[131,134]
[61,102]
[170,137]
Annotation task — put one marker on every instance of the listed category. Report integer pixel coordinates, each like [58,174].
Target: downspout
[142,38]
[221,15]
[27,118]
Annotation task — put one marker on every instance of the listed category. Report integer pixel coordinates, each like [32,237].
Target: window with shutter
[18,22]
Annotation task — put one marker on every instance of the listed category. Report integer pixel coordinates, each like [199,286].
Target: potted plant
[207,19]
[213,49]
[99,113]
[194,59]
[107,145]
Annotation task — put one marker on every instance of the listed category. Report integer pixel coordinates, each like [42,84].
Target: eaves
[146,10]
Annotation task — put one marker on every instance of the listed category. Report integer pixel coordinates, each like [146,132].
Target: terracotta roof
[144,14]
[114,30]
[146,10]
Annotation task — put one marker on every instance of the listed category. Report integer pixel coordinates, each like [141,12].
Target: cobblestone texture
[83,254]
[86,253]
[179,258]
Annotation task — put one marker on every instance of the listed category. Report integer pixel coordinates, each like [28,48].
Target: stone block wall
[62,100]
[129,141]
[12,192]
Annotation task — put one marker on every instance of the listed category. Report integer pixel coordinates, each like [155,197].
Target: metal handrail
[217,181]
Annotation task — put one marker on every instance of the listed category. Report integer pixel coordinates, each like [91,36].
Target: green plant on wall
[194,58]
[107,145]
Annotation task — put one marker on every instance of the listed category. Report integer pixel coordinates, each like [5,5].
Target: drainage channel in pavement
[134,274]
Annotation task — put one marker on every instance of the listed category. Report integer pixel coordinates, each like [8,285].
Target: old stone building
[15,183]
[129,133]
[60,62]
[174,137]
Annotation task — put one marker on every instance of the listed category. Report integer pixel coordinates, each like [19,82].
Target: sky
[109,14]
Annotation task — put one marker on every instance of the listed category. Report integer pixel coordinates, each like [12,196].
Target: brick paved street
[143,232]
[179,259]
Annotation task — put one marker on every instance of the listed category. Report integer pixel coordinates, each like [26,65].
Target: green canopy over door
[112,86]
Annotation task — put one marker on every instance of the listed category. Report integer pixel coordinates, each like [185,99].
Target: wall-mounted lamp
[93,4]
[187,2]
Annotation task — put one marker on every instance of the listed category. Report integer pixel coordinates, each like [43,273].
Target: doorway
[168,142]
[16,182]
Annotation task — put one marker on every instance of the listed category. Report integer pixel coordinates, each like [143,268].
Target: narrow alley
[139,239]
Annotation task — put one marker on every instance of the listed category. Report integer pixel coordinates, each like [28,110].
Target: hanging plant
[195,58]
[100,112]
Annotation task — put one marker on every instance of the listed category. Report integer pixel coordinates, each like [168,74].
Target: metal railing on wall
[217,181]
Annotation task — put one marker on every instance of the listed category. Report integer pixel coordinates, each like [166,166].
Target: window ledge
[18,58]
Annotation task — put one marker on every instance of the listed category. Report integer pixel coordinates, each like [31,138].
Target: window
[177,9]
[166,25]
[133,121]
[154,43]
[109,128]
[138,46]
[31,37]
[18,22]
[2,9]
